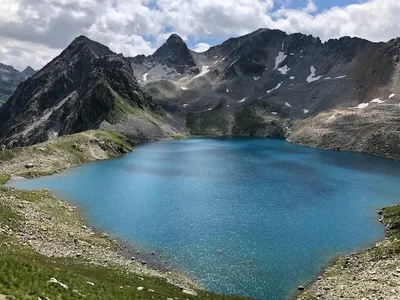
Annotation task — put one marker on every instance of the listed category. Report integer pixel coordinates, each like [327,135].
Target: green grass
[211,122]
[245,120]
[8,155]
[4,178]
[9,217]
[392,219]
[65,151]
[122,109]
[25,275]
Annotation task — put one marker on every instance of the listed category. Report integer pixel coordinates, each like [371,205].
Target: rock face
[86,87]
[9,80]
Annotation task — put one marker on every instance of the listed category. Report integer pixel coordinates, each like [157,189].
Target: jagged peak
[82,41]
[174,38]
[28,68]
[174,41]
[174,45]
[28,72]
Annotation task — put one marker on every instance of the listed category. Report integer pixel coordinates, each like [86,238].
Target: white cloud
[33,31]
[20,54]
[311,7]
[201,47]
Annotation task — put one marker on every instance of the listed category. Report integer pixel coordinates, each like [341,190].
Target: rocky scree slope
[264,82]
[86,87]
[10,78]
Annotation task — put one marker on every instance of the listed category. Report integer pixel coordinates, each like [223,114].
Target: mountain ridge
[264,83]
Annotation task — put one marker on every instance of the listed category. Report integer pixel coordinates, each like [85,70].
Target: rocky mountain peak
[175,53]
[28,72]
[174,38]
[84,45]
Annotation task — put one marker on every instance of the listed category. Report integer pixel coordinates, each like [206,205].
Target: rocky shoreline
[53,228]
[373,273]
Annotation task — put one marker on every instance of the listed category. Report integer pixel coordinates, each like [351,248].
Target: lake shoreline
[349,276]
[308,288]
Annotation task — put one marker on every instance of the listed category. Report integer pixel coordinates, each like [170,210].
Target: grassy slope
[208,123]
[64,152]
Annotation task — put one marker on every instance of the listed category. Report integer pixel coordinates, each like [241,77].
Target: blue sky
[323,4]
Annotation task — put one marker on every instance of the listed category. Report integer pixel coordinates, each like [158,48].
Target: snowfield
[312,77]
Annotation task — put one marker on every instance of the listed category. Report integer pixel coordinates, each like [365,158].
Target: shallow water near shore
[246,216]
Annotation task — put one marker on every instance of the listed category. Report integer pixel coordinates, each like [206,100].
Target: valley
[91,104]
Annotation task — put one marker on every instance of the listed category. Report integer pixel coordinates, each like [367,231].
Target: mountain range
[340,94]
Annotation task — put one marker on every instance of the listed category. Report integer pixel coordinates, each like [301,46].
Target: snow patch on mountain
[183,78]
[234,62]
[241,101]
[145,76]
[204,71]
[312,77]
[184,88]
[288,104]
[256,78]
[275,88]
[391,96]
[292,77]
[377,100]
[279,59]
[306,111]
[362,105]
[284,70]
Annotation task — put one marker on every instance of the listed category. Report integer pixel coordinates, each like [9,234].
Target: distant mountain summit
[175,54]
[28,72]
[86,87]
[170,61]
[9,80]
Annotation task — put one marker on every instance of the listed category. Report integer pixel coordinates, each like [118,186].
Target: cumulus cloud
[34,31]
[201,47]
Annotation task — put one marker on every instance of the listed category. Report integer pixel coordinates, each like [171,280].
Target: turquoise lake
[244,216]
